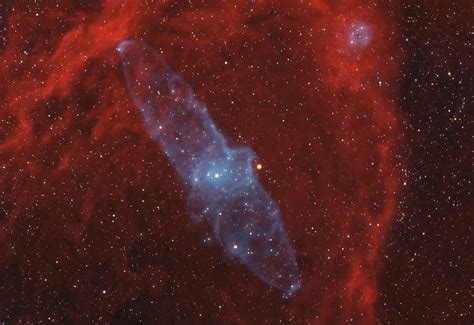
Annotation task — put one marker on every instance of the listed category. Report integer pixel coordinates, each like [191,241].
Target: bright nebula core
[360,35]
[242,162]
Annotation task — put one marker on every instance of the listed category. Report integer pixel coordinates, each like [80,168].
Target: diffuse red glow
[93,214]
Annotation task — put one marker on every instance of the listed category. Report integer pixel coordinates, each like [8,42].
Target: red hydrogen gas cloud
[93,226]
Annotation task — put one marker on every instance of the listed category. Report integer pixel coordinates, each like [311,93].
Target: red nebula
[93,225]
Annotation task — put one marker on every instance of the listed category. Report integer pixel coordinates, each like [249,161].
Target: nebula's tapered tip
[122,46]
[294,287]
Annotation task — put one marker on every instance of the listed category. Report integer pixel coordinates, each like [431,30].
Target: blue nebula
[360,35]
[219,179]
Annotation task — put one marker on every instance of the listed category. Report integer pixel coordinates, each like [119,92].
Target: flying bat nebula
[220,180]
[302,162]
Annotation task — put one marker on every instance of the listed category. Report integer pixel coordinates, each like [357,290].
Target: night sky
[359,113]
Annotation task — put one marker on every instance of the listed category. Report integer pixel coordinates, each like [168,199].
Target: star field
[358,113]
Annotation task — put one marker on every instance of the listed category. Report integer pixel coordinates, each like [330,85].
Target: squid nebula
[220,180]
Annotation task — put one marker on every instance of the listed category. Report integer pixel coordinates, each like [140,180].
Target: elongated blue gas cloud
[219,179]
